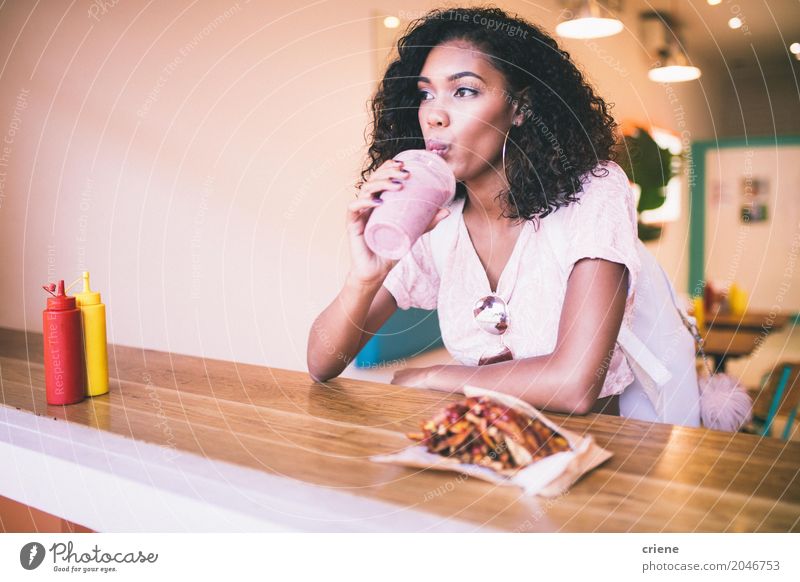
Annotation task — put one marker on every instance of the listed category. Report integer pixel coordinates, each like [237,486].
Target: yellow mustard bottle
[699,313]
[93,314]
[737,297]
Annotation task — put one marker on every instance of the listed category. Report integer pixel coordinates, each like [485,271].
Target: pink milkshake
[396,225]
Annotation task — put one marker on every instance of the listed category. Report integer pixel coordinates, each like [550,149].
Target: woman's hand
[412,377]
[433,378]
[366,266]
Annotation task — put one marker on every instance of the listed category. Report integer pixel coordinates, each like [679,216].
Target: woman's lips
[437,147]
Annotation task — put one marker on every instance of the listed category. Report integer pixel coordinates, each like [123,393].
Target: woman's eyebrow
[453,77]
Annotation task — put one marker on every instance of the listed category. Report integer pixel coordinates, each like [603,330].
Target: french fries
[486,433]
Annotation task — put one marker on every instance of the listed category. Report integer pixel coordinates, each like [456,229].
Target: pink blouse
[534,281]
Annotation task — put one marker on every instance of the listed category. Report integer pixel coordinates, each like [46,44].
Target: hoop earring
[505,141]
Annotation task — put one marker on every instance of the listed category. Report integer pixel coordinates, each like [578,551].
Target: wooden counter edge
[110,483]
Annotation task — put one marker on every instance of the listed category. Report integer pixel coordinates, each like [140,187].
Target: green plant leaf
[644,162]
[651,198]
[648,232]
[649,166]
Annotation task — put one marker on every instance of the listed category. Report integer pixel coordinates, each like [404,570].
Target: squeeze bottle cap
[87,296]
[59,301]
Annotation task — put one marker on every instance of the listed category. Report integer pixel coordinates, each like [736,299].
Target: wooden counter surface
[316,439]
[757,321]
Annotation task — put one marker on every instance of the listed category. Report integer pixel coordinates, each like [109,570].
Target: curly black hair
[567,130]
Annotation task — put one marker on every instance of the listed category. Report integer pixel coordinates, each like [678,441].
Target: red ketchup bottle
[64,365]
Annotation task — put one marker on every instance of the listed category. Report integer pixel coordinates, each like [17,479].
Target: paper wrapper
[547,477]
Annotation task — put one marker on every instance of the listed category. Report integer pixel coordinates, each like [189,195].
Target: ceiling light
[588,21]
[674,67]
[735,22]
[660,33]
[391,22]
[795,48]
[714,2]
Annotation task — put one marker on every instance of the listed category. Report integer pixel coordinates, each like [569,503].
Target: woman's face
[464,109]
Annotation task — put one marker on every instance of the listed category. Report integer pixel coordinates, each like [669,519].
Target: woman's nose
[437,118]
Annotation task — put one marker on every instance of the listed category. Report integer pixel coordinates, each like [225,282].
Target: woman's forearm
[570,378]
[543,381]
[335,335]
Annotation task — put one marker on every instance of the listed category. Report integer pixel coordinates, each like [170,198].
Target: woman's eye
[471,91]
[423,95]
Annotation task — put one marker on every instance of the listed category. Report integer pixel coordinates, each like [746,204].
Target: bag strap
[689,322]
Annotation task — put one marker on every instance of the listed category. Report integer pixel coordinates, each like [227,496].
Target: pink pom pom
[724,403]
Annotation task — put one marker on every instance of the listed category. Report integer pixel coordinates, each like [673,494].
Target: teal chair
[407,333]
[787,431]
[778,395]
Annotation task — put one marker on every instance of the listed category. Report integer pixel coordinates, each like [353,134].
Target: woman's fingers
[374,186]
[389,176]
[357,207]
[397,172]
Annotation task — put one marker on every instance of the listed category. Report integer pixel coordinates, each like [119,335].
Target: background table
[182,443]
[720,344]
[750,320]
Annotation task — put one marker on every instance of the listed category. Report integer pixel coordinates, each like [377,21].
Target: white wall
[760,257]
[197,159]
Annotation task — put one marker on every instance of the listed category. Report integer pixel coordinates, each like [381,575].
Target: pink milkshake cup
[396,225]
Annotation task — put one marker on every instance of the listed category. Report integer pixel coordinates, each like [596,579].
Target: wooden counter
[758,321]
[722,344]
[183,443]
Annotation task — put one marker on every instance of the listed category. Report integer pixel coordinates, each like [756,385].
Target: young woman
[546,228]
